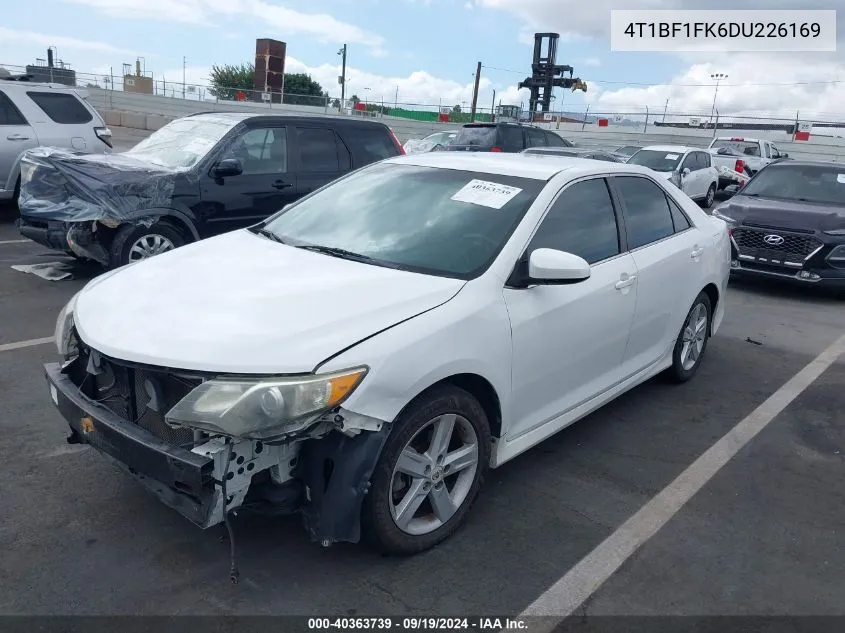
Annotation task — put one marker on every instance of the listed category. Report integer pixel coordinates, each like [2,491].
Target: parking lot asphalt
[763,536]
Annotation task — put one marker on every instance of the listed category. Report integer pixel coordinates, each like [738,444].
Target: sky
[426,51]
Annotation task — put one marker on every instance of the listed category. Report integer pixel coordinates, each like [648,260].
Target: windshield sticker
[840,178]
[486,194]
[672,156]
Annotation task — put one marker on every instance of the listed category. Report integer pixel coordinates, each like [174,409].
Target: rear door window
[555,140]
[510,138]
[61,107]
[9,113]
[318,150]
[368,145]
[536,138]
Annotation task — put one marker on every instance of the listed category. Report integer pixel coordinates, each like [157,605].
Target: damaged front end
[163,426]
[73,202]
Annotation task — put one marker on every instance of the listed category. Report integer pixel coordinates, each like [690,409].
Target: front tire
[133,243]
[429,473]
[691,343]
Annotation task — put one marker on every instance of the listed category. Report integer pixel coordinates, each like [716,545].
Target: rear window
[61,107]
[483,136]
[748,148]
[369,145]
[657,160]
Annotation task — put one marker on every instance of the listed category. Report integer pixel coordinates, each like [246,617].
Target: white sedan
[365,355]
[688,168]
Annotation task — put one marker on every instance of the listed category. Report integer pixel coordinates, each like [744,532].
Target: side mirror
[550,266]
[784,155]
[687,171]
[228,167]
[731,189]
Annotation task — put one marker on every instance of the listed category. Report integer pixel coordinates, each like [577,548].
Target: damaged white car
[365,355]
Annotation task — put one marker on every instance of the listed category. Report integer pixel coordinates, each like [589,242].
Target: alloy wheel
[434,474]
[148,246]
[695,334]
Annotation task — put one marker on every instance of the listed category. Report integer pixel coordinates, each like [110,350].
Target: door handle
[17,137]
[696,252]
[624,283]
[281,184]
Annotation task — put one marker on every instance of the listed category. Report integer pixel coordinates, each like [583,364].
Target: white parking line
[15,241]
[580,582]
[30,343]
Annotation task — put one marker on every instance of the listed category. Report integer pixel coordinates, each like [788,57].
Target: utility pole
[475,93]
[342,79]
[493,108]
[184,61]
[396,99]
[666,107]
[718,77]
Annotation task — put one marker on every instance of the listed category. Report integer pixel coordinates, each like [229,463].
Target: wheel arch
[478,387]
[712,292]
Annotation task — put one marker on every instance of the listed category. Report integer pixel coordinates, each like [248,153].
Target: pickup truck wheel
[134,243]
[711,195]
[429,473]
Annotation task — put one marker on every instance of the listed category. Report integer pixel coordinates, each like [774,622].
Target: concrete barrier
[156,122]
[133,120]
[111,117]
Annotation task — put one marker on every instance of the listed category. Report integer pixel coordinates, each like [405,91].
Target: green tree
[456,109]
[354,99]
[228,79]
[336,104]
[300,89]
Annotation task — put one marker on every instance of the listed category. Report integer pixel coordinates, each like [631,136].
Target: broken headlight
[66,341]
[263,408]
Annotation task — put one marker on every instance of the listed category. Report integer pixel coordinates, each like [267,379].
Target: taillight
[740,166]
[496,149]
[396,142]
[104,134]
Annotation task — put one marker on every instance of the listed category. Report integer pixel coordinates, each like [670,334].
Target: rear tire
[691,343]
[709,198]
[429,473]
[134,243]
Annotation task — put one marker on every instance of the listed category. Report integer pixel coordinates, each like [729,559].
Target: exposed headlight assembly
[263,408]
[66,342]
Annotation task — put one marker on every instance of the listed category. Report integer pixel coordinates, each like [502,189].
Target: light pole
[342,78]
[718,77]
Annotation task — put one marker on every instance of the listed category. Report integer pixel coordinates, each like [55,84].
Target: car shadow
[766,287]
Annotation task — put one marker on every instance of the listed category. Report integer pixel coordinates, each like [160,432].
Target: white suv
[37,114]
[688,168]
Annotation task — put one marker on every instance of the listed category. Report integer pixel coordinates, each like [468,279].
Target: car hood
[241,303]
[785,214]
[60,185]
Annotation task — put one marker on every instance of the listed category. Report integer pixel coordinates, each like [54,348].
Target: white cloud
[759,85]
[14,36]
[592,61]
[322,26]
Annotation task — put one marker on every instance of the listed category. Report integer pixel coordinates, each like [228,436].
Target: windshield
[183,143]
[656,160]
[628,150]
[748,148]
[438,221]
[441,138]
[808,183]
[481,136]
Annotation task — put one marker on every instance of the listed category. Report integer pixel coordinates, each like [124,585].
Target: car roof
[678,149]
[535,166]
[805,162]
[237,117]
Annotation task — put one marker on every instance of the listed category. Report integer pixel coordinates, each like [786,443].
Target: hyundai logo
[773,240]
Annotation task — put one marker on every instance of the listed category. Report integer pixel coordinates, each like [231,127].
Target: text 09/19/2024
[725,31]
